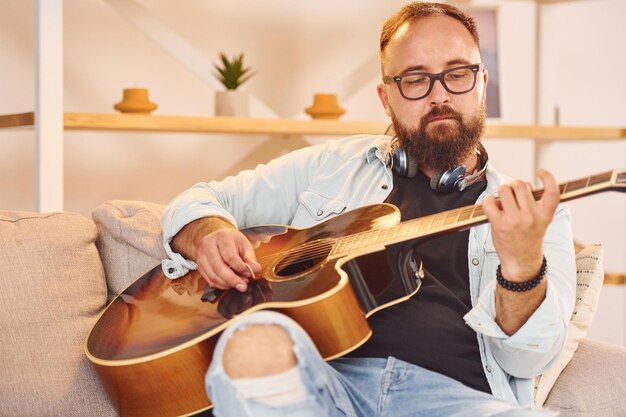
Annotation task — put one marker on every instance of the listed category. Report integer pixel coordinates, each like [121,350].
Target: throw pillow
[129,241]
[589,278]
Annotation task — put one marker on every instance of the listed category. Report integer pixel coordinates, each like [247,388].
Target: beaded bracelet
[525,285]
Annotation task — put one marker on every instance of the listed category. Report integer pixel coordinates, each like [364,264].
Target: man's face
[441,129]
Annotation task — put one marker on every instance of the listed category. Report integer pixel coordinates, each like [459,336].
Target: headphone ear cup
[411,167]
[447,181]
[403,164]
[434,180]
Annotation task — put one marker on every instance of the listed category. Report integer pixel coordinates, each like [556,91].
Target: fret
[577,184]
[432,219]
[371,238]
[451,217]
[403,228]
[384,234]
[378,235]
[466,213]
[345,244]
[338,246]
[350,241]
[439,221]
[564,188]
[600,178]
[478,211]
[396,229]
[419,223]
[360,240]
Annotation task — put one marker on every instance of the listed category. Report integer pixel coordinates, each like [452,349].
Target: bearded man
[494,301]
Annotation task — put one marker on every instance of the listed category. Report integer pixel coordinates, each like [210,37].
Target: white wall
[298,49]
[584,77]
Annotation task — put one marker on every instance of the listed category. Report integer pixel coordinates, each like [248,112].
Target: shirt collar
[379,150]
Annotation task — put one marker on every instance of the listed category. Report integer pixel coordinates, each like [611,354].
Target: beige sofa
[57,271]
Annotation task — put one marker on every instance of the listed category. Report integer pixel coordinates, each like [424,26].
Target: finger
[223,273]
[250,270]
[249,257]
[491,207]
[524,197]
[551,192]
[507,199]
[229,278]
[202,265]
[232,253]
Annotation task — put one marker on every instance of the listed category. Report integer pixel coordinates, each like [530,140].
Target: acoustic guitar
[153,344]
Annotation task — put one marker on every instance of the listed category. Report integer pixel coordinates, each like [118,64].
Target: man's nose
[438,95]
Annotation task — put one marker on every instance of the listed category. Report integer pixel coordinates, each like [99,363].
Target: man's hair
[419,10]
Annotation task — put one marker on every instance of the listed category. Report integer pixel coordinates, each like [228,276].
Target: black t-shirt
[428,330]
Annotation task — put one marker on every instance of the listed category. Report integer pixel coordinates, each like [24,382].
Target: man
[492,312]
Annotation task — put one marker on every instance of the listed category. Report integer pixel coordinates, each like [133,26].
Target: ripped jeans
[354,387]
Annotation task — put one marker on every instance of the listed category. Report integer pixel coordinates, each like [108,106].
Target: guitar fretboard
[460,218]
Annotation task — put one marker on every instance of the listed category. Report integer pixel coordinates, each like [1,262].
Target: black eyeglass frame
[434,77]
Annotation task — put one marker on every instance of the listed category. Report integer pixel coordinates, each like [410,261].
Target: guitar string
[323,244]
[320,247]
[325,247]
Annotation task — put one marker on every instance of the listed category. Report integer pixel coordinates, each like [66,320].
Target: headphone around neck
[442,181]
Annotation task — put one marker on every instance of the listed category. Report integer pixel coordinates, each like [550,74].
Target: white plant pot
[231,103]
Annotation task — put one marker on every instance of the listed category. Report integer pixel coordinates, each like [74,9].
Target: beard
[443,145]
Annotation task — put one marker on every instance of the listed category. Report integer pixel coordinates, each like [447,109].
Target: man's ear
[382,95]
[485,79]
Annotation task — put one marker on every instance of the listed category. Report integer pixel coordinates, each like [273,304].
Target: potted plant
[232,74]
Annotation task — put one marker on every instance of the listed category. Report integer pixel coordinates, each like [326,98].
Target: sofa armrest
[593,384]
[129,241]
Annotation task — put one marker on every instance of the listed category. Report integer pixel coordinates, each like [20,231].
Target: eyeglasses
[417,85]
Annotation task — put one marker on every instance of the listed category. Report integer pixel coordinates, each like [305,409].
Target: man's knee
[258,350]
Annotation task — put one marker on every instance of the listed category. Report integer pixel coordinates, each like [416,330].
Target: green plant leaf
[232,72]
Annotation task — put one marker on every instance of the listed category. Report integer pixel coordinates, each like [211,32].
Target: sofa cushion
[593,383]
[129,240]
[589,278]
[51,290]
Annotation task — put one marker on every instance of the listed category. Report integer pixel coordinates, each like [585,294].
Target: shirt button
[171,270]
[488,367]
[320,212]
[385,186]
[475,261]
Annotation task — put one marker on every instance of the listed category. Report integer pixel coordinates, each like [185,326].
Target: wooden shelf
[17,120]
[238,125]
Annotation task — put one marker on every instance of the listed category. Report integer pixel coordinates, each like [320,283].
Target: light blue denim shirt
[312,184]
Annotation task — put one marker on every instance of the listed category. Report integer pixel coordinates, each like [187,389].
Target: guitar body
[154,343]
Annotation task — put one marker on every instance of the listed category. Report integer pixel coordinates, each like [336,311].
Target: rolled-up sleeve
[530,350]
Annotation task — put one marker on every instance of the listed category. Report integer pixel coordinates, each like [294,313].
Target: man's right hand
[221,252]
[223,258]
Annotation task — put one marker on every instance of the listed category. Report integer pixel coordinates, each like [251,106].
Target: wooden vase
[135,100]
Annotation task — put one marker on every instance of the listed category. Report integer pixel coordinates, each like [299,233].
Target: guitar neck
[464,217]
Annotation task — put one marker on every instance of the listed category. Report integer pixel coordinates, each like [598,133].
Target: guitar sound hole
[302,259]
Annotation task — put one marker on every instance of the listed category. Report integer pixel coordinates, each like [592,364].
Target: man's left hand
[519,223]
